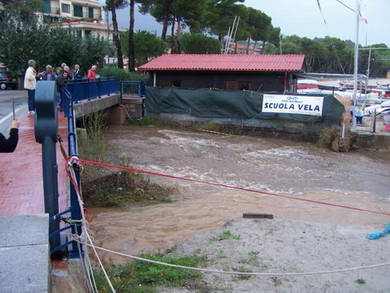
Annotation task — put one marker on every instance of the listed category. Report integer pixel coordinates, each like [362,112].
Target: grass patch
[225,235]
[242,277]
[139,276]
[122,189]
[145,121]
[251,259]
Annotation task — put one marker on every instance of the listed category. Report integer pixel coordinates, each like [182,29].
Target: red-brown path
[21,185]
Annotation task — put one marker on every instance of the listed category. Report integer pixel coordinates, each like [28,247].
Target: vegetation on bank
[139,276]
[102,188]
[123,189]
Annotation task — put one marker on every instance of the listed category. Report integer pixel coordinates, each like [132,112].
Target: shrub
[121,74]
[327,136]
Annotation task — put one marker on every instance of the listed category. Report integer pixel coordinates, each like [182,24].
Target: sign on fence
[305,105]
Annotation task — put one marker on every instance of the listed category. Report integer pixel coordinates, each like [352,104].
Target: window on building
[65,8]
[87,33]
[231,85]
[244,85]
[46,6]
[90,12]
[77,10]
[176,83]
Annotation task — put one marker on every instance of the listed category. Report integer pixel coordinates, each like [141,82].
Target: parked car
[6,80]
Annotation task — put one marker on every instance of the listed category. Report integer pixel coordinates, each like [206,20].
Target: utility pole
[355,84]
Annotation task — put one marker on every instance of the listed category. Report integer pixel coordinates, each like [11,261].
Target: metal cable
[215,271]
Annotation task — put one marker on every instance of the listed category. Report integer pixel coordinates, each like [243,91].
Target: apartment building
[85,16]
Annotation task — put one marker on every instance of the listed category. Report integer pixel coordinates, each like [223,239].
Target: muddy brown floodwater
[302,170]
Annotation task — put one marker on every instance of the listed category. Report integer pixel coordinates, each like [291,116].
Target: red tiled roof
[224,62]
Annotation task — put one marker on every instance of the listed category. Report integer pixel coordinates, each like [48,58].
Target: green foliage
[225,235]
[23,7]
[23,39]
[146,45]
[139,276]
[121,74]
[189,13]
[145,121]
[332,55]
[197,43]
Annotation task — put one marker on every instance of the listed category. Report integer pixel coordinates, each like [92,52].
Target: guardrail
[87,90]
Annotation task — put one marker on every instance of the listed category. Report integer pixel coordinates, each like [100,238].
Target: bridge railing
[87,90]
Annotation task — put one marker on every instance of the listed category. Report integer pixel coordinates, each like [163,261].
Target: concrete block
[24,253]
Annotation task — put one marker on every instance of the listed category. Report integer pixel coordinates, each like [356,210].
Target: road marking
[2,120]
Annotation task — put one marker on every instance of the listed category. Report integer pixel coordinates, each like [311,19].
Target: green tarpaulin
[242,105]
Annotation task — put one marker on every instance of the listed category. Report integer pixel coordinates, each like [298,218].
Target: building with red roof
[266,73]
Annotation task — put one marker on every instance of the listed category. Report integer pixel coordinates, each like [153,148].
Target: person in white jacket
[30,83]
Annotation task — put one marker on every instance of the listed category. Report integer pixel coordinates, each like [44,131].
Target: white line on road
[2,120]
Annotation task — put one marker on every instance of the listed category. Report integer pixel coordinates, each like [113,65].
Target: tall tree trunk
[248,45]
[167,12]
[131,37]
[115,37]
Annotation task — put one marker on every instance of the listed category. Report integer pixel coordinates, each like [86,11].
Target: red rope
[113,167]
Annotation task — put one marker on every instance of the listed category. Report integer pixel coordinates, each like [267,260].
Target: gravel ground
[282,245]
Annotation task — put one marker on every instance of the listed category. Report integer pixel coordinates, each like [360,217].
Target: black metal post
[50,187]
[46,129]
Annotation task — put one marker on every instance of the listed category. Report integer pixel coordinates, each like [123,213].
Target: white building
[85,16]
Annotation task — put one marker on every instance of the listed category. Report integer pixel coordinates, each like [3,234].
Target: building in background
[85,16]
[264,73]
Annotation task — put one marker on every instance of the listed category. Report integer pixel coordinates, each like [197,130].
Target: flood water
[359,179]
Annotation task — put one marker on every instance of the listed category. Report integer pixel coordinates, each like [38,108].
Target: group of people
[61,75]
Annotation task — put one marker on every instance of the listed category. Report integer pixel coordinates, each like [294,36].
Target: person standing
[9,145]
[62,80]
[359,116]
[49,74]
[76,73]
[92,73]
[30,83]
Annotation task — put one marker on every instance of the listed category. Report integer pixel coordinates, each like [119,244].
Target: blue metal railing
[67,102]
[74,92]
[87,90]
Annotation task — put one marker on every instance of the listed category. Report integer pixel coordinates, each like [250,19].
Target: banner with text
[304,105]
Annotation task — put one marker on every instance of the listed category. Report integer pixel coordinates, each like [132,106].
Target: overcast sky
[303,18]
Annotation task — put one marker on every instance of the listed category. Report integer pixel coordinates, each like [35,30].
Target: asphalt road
[20,98]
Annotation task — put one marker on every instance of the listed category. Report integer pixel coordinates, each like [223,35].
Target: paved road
[6,97]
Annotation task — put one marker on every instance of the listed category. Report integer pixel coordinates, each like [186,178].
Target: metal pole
[369,63]
[355,83]
[50,187]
